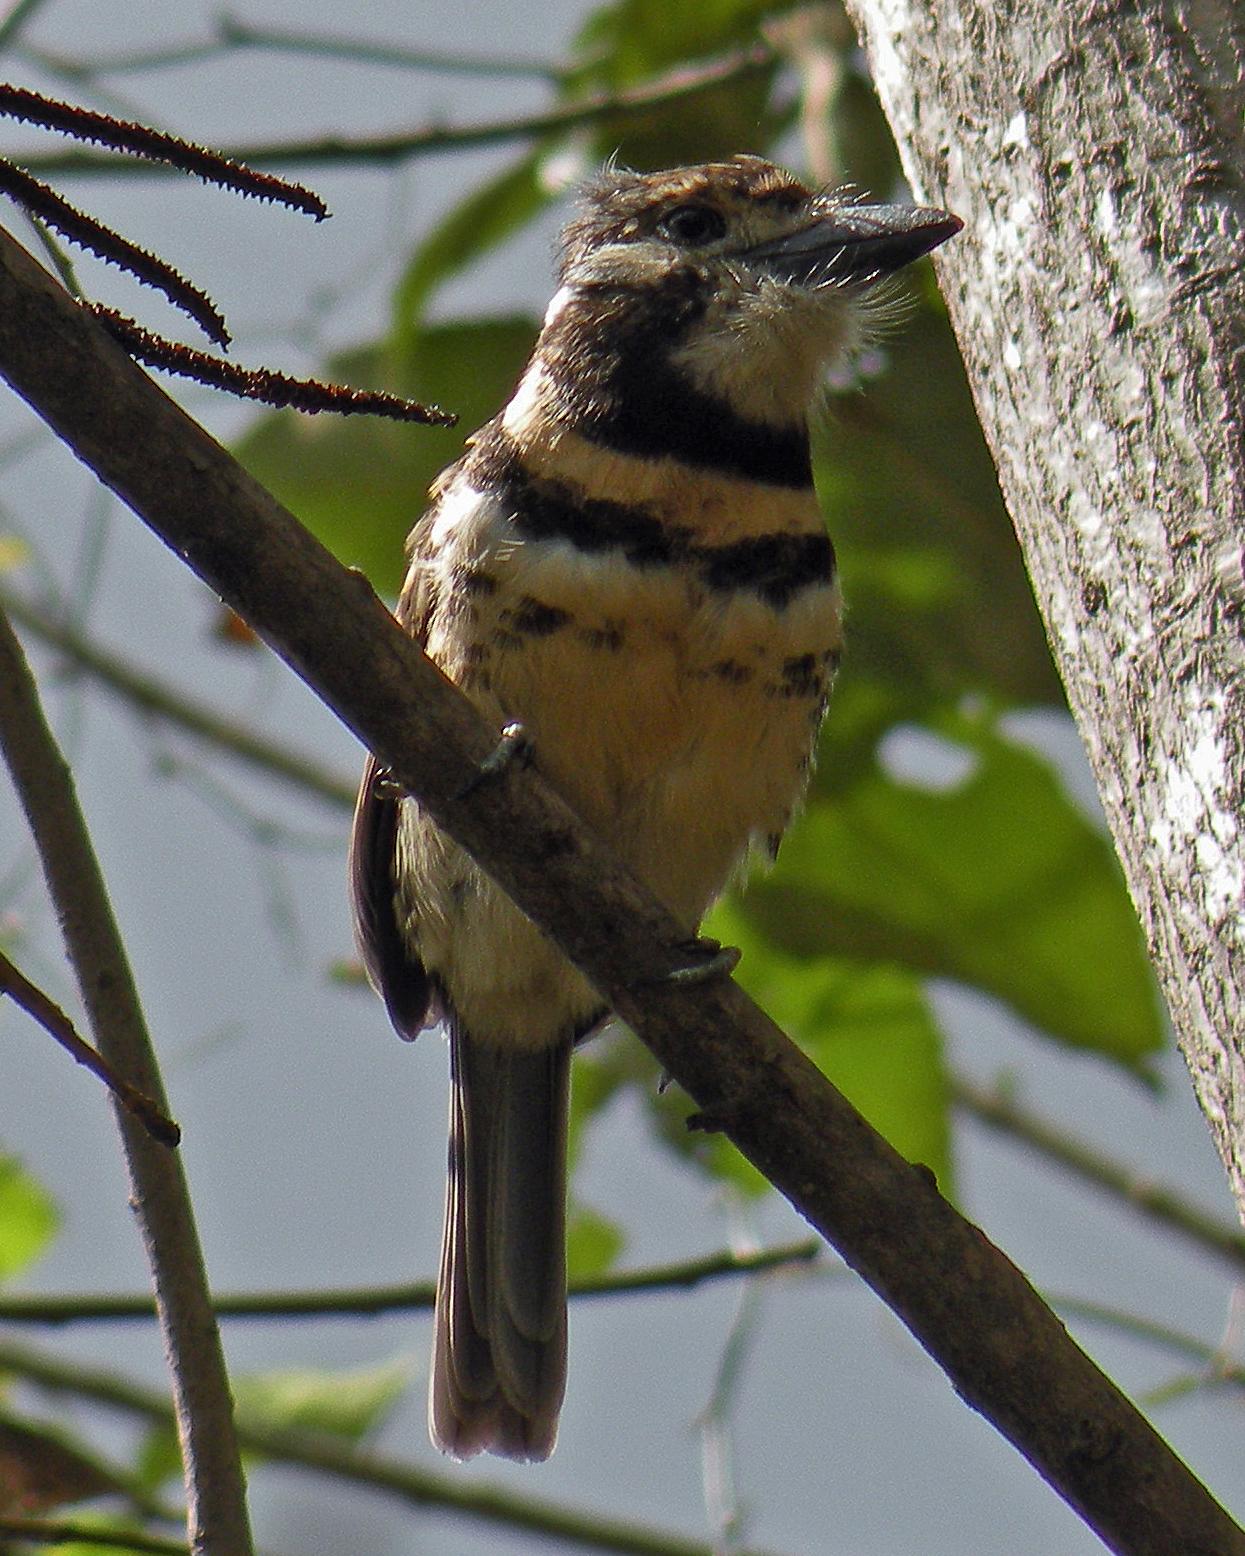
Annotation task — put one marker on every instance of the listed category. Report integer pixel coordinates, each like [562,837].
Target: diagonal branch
[992,1106]
[217,1516]
[1004,1350]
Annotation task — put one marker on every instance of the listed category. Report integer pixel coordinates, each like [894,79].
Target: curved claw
[720,961]
[386,787]
[512,746]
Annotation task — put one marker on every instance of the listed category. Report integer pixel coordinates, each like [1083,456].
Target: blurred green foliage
[346,1404]
[28,1218]
[111,1530]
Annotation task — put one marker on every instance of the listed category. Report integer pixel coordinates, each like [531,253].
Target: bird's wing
[392,965]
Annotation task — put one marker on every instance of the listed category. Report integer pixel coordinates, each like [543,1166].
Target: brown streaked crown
[619,205]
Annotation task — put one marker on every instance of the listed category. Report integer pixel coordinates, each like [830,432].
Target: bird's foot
[707,960]
[513,746]
[385,786]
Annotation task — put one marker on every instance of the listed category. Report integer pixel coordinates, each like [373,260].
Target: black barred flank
[608,358]
[548,510]
[773,566]
[535,617]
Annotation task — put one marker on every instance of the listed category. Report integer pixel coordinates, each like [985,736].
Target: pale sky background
[313,1138]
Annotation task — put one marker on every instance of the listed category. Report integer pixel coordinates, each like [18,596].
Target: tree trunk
[1096,153]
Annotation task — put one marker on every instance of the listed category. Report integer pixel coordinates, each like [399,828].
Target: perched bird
[630,561]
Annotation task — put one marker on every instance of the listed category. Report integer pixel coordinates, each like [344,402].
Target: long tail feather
[499,1356]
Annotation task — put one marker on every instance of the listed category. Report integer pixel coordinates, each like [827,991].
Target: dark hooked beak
[854,243]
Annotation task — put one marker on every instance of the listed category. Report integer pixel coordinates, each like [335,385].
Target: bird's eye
[692,225]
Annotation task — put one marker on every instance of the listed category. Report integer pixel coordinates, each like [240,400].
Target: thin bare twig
[1211,1360]
[820,43]
[410,1296]
[53,1020]
[693,1272]
[57,255]
[994,1107]
[714,1423]
[232,34]
[151,696]
[286,40]
[674,87]
[216,1504]
[329,1456]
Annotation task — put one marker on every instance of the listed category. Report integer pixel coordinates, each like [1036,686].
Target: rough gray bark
[1097,155]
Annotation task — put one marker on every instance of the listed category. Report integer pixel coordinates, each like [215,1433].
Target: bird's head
[735,274]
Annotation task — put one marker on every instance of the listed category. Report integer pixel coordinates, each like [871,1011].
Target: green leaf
[1000,882]
[868,1029]
[360,483]
[484,218]
[158,1459]
[28,1217]
[593,1242]
[630,39]
[625,44]
[343,1404]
